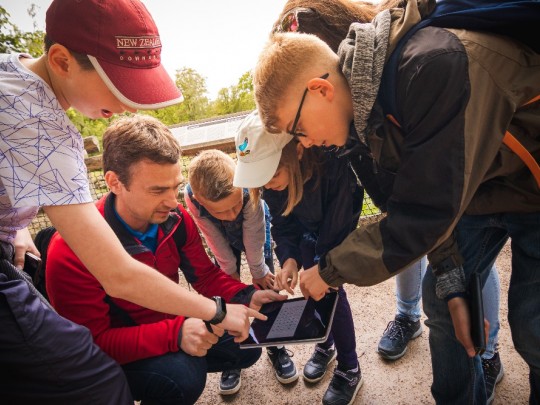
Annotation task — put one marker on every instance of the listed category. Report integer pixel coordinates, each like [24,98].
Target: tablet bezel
[251,343]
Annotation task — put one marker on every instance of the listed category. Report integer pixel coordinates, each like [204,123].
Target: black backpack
[42,240]
[517,19]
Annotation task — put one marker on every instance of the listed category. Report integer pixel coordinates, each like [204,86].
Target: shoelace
[281,355]
[396,328]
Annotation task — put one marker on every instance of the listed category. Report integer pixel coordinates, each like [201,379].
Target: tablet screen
[293,321]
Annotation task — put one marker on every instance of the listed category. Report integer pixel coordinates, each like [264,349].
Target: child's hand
[266,282]
[263,297]
[235,275]
[287,277]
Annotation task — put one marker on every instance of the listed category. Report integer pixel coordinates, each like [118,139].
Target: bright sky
[220,39]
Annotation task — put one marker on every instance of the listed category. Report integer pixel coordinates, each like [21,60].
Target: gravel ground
[405,381]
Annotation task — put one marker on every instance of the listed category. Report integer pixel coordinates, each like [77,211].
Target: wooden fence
[98,186]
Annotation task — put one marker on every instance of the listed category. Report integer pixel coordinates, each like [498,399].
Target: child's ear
[322,87]
[60,59]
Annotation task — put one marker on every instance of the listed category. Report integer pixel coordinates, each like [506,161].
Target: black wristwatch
[221,310]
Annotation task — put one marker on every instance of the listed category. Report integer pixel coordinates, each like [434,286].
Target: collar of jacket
[106,207]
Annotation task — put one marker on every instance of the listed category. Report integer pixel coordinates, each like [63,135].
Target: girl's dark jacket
[328,212]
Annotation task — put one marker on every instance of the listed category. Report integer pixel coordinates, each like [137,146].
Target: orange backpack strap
[516,147]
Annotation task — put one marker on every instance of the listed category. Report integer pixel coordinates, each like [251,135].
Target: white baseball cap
[258,152]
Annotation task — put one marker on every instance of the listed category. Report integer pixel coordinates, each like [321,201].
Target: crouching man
[165,357]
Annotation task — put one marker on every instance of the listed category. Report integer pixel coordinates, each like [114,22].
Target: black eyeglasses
[295,122]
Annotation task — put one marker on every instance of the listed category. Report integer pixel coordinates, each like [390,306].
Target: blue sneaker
[397,335]
[284,368]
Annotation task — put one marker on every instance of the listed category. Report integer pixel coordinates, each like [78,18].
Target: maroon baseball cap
[123,44]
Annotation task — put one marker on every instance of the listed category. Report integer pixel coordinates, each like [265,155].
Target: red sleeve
[205,276]
[77,295]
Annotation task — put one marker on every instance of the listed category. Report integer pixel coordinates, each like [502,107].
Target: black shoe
[283,366]
[343,387]
[230,382]
[397,335]
[493,373]
[315,368]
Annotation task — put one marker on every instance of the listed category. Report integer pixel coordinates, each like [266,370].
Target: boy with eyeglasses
[443,170]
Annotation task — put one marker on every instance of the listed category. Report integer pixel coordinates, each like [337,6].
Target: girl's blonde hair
[299,172]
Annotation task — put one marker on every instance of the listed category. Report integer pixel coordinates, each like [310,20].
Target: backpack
[42,241]
[518,19]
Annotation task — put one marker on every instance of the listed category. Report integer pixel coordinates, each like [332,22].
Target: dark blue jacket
[327,213]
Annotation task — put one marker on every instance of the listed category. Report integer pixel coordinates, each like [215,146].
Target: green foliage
[195,106]
[12,39]
[88,126]
[235,98]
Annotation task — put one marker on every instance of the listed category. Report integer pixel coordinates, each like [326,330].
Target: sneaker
[493,374]
[230,382]
[315,368]
[397,335]
[343,387]
[283,366]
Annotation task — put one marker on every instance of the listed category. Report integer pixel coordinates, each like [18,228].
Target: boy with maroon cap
[101,57]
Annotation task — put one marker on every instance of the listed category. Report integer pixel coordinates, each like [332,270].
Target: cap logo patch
[137,42]
[242,148]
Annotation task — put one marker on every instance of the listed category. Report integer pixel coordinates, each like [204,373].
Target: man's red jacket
[78,296]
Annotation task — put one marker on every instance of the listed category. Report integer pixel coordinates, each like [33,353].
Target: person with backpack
[232,223]
[330,20]
[449,180]
[165,357]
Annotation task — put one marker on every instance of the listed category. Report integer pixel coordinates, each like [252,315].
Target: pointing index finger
[256,314]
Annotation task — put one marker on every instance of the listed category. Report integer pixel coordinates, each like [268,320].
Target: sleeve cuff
[328,274]
[244,296]
[452,282]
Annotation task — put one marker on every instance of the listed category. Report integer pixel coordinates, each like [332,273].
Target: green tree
[12,39]
[235,98]
[195,105]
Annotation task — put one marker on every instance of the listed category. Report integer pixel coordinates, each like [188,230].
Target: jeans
[409,289]
[456,377]
[409,293]
[178,378]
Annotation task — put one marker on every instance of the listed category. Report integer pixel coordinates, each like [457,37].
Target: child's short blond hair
[288,59]
[211,174]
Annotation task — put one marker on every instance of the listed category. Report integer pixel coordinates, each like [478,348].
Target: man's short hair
[131,139]
[211,174]
[285,58]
